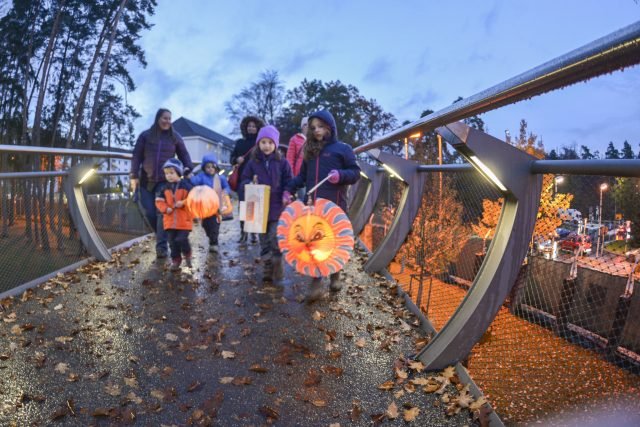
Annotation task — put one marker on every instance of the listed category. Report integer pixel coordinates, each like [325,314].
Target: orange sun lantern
[315,240]
[203,201]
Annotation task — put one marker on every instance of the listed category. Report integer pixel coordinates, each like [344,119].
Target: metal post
[440,162]
[567,293]
[79,212]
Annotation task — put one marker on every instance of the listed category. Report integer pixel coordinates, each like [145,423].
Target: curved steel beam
[365,197]
[408,207]
[80,214]
[510,170]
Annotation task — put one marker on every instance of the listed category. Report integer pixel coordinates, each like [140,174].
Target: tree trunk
[26,200]
[42,212]
[76,118]
[46,61]
[103,71]
[60,94]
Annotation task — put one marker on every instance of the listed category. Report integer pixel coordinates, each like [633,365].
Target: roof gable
[186,127]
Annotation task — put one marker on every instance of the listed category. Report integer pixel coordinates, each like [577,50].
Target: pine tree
[627,151]
[612,152]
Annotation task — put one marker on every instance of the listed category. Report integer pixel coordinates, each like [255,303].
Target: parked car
[573,242]
[562,233]
[570,215]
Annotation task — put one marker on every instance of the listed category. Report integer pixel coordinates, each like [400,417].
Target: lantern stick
[317,185]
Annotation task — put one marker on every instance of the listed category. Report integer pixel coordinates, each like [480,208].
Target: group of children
[323,156]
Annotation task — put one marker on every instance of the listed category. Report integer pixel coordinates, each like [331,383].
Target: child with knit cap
[176,218]
[210,176]
[324,156]
[268,167]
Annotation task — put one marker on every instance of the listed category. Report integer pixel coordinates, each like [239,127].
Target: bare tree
[263,98]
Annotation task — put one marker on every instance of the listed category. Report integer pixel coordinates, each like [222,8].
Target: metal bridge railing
[514,285]
[38,235]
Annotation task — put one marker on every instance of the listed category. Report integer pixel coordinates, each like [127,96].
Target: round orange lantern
[315,240]
[202,201]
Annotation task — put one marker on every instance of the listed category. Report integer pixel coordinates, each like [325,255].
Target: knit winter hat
[174,163]
[269,132]
[305,120]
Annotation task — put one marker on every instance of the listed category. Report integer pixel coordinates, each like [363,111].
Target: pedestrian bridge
[461,291]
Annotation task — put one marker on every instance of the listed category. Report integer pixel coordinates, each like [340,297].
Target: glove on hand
[287,198]
[334,176]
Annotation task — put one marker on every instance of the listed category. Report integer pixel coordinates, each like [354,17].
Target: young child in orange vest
[177,220]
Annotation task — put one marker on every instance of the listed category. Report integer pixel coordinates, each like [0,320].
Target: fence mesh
[380,220]
[566,338]
[116,215]
[37,235]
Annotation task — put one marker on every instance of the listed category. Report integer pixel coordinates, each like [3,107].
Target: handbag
[234,178]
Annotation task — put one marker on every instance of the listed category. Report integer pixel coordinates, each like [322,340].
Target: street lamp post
[603,187]
[559,179]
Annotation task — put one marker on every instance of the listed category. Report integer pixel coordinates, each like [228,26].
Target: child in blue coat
[270,168]
[209,176]
[325,156]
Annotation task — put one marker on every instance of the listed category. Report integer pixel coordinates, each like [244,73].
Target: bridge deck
[129,341]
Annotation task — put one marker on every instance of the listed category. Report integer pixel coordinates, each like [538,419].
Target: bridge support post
[79,212]
[408,207]
[509,169]
[365,197]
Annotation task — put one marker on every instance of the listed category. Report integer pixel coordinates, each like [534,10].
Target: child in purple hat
[269,168]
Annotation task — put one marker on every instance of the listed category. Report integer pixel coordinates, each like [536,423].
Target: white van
[570,215]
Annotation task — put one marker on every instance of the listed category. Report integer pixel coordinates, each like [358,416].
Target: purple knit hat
[269,132]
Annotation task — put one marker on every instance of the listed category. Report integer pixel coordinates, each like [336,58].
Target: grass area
[619,247]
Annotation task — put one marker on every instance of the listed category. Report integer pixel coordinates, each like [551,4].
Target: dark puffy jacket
[244,145]
[334,155]
[149,156]
[272,172]
[203,178]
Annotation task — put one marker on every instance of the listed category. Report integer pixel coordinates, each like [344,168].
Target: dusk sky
[409,55]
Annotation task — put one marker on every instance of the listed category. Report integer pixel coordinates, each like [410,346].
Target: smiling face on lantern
[312,236]
[316,240]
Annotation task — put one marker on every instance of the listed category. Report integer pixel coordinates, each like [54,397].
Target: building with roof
[201,140]
[117,165]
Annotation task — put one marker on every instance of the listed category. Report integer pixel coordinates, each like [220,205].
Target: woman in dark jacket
[154,147]
[249,127]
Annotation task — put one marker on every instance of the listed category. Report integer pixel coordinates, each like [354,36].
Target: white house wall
[198,147]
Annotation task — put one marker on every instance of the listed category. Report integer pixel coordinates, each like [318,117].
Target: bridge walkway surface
[130,342]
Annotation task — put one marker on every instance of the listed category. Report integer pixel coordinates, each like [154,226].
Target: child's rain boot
[278,269]
[315,291]
[335,284]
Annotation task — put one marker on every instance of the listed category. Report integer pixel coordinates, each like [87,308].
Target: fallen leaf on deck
[392,411]
[61,368]
[410,415]
[388,385]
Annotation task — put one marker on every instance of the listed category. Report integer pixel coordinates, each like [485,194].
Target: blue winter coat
[203,178]
[334,155]
[149,156]
[270,171]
